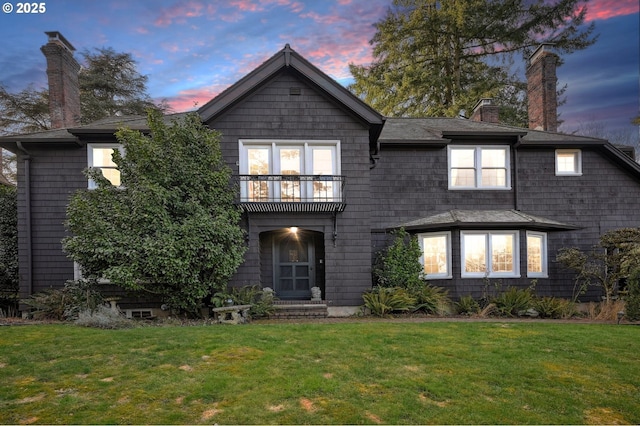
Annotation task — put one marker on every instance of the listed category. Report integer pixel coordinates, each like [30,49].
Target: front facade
[324,180]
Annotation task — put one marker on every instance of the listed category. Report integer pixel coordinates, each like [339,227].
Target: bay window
[436,254]
[489,254]
[536,255]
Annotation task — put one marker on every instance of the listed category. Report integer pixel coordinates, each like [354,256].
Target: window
[436,254]
[536,254]
[479,167]
[568,162]
[100,157]
[492,254]
[290,171]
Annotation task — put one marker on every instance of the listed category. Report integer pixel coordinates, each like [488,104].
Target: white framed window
[286,161]
[479,167]
[568,162]
[489,254]
[99,156]
[436,254]
[537,255]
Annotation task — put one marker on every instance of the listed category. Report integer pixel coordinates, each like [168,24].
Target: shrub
[48,304]
[553,307]
[66,303]
[605,310]
[632,301]
[261,301]
[382,301]
[467,305]
[399,265]
[432,299]
[513,301]
[103,317]
[8,251]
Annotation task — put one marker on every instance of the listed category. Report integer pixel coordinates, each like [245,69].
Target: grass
[346,373]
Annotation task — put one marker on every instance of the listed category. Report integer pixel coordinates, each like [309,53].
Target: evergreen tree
[109,84]
[438,57]
[172,228]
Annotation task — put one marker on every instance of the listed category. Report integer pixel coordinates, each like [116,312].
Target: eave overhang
[484,219]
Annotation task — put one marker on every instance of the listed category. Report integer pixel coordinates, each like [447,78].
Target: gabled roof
[470,219]
[288,58]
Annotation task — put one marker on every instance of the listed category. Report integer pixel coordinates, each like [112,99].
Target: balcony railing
[291,193]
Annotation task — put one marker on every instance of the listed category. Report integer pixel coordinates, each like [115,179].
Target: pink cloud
[188,100]
[170,47]
[606,9]
[323,19]
[246,5]
[142,30]
[179,13]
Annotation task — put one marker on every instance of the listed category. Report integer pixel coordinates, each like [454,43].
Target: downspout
[516,198]
[27,201]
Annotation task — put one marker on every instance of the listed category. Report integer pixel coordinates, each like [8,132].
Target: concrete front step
[299,309]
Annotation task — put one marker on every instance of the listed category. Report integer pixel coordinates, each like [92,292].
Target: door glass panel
[286,271]
[302,284]
[290,165]
[302,271]
[258,165]
[324,164]
[293,252]
[286,284]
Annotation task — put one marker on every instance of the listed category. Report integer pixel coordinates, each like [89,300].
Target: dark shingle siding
[271,113]
[55,174]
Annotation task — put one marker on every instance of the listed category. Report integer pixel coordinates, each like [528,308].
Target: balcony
[291,193]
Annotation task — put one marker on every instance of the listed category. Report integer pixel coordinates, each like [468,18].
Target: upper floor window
[100,156]
[568,162]
[289,170]
[479,167]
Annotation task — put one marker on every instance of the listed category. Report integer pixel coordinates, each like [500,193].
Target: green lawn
[345,373]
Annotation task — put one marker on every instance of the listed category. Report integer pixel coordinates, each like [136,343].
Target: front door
[293,266]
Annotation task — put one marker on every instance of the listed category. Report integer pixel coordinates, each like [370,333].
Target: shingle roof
[483,219]
[440,130]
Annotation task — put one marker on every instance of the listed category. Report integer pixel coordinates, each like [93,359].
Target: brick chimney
[541,89]
[486,111]
[64,90]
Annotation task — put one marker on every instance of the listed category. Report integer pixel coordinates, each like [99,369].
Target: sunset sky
[191,50]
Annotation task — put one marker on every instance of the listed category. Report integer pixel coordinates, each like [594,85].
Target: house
[324,179]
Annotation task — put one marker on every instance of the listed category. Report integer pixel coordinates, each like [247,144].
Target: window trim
[274,146]
[91,184]
[578,162]
[489,273]
[478,167]
[543,255]
[447,235]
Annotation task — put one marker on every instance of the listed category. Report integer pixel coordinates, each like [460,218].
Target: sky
[191,50]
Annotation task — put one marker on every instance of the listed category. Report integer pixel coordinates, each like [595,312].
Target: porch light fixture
[293,230]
